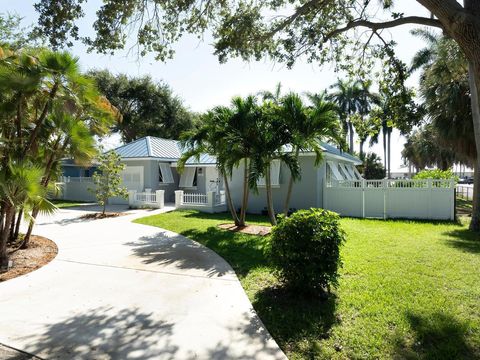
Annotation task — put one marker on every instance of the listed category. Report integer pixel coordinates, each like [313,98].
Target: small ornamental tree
[108,180]
[305,249]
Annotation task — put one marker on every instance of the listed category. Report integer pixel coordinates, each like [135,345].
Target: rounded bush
[305,249]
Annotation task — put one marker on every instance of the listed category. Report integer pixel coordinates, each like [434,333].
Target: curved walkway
[119,290]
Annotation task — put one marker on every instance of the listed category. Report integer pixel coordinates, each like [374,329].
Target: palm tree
[308,126]
[208,138]
[348,97]
[271,135]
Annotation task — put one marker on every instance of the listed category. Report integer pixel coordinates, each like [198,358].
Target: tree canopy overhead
[320,30]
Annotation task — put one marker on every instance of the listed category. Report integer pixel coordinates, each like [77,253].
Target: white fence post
[178,198]
[159,197]
[364,185]
[132,194]
[453,200]
[210,199]
[385,198]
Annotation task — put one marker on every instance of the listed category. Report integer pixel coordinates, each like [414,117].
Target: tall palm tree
[348,97]
[308,126]
[271,135]
[208,138]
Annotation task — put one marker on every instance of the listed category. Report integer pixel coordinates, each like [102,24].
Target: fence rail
[195,198]
[146,197]
[393,184]
[67,179]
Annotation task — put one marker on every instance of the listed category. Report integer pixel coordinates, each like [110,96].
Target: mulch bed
[248,229]
[39,253]
[96,216]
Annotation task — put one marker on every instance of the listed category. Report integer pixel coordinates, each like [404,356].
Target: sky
[196,76]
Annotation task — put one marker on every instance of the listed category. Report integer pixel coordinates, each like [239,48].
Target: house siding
[306,192]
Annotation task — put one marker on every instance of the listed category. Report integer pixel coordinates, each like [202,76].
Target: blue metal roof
[171,150]
[150,147]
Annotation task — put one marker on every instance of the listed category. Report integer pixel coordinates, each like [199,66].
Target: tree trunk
[230,204]
[361,148]
[286,206]
[26,239]
[389,136]
[268,185]
[9,212]
[384,134]
[17,225]
[243,210]
[350,133]
[474,82]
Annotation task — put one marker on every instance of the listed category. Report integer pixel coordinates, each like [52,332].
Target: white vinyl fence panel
[412,199]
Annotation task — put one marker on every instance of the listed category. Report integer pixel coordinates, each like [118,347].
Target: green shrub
[436,174]
[305,249]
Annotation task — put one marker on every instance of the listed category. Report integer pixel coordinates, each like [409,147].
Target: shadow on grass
[295,320]
[464,239]
[436,336]
[243,252]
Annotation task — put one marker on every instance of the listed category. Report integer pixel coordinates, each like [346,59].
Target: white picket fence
[68,179]
[146,199]
[210,202]
[413,199]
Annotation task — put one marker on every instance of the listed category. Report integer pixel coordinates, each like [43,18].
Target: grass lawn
[408,289]
[67,203]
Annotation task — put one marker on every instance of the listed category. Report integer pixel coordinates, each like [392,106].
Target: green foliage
[108,178]
[374,313]
[436,174]
[148,108]
[305,249]
[372,167]
[445,93]
[13,35]
[423,149]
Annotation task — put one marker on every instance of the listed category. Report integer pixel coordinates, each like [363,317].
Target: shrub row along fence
[413,199]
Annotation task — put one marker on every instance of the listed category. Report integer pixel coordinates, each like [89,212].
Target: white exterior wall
[306,192]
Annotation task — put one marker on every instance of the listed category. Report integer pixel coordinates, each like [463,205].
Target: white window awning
[348,172]
[166,172]
[355,172]
[334,168]
[186,179]
[274,175]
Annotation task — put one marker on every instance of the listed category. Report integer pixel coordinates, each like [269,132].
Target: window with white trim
[165,175]
[274,175]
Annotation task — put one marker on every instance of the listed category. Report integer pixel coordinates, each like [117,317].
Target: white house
[151,177]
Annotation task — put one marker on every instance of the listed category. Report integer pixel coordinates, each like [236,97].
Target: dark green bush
[305,249]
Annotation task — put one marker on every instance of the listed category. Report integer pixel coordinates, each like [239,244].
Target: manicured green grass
[464,206]
[66,203]
[408,289]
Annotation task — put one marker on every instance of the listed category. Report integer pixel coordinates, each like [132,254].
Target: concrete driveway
[119,290]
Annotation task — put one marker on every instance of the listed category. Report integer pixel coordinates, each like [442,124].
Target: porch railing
[146,199]
[209,202]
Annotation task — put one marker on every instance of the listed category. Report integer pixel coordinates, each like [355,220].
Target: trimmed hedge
[305,249]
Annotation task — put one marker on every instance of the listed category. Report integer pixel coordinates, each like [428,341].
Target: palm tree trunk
[230,204]
[361,148]
[350,131]
[384,134]
[268,185]
[17,225]
[474,82]
[26,239]
[9,212]
[286,206]
[243,210]
[389,151]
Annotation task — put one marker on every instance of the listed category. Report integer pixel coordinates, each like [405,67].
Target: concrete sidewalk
[119,290]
